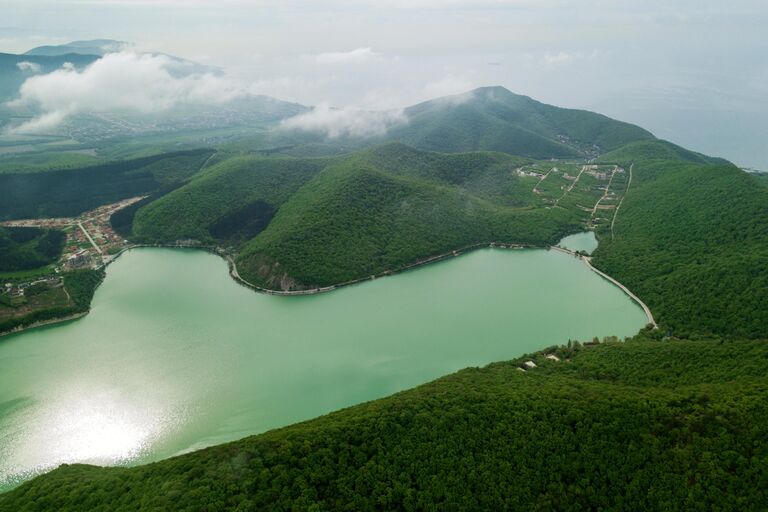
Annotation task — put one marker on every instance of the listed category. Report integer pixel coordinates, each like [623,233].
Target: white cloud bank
[124,81]
[349,122]
[356,56]
[131,82]
[25,65]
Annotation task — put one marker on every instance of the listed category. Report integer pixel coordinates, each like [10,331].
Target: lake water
[176,356]
[585,241]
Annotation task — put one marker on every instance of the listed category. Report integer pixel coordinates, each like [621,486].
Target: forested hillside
[26,248]
[495,119]
[484,119]
[224,194]
[69,192]
[691,240]
[656,423]
[304,222]
[378,212]
[641,425]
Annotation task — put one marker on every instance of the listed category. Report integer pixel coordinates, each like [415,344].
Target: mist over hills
[326,199]
[219,218]
[15,69]
[98,47]
[495,119]
[483,119]
[115,105]
[487,118]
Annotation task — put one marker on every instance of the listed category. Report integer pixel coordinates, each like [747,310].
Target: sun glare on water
[102,428]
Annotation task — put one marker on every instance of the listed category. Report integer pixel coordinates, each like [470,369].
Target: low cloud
[124,81]
[356,56]
[349,122]
[563,58]
[557,58]
[28,66]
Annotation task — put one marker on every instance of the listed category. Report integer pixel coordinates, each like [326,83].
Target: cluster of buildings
[528,174]
[90,237]
[15,294]
[90,242]
[601,175]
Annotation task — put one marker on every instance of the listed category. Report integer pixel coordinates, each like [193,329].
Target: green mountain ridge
[493,118]
[484,119]
[69,192]
[655,423]
[355,220]
[692,242]
[97,47]
[343,218]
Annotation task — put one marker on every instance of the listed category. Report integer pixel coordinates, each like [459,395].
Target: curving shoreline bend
[588,262]
[235,275]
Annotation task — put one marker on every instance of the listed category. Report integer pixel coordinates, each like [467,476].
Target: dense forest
[361,218]
[303,222]
[221,191]
[495,119]
[23,248]
[673,419]
[691,240]
[641,425]
[484,119]
[69,192]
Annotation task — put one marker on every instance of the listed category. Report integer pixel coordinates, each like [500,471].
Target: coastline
[235,275]
[424,261]
[43,323]
[588,262]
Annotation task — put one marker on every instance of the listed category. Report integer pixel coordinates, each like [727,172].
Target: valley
[169,331]
[174,359]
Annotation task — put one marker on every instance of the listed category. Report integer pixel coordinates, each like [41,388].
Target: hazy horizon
[693,73]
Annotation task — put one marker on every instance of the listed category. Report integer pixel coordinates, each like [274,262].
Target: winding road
[588,261]
[626,191]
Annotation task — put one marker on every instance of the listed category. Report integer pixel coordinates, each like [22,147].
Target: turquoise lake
[176,356]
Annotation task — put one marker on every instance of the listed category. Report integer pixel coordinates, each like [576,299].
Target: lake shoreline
[588,262]
[44,323]
[235,275]
[233,272]
[168,334]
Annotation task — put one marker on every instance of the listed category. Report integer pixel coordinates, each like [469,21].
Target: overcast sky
[692,71]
